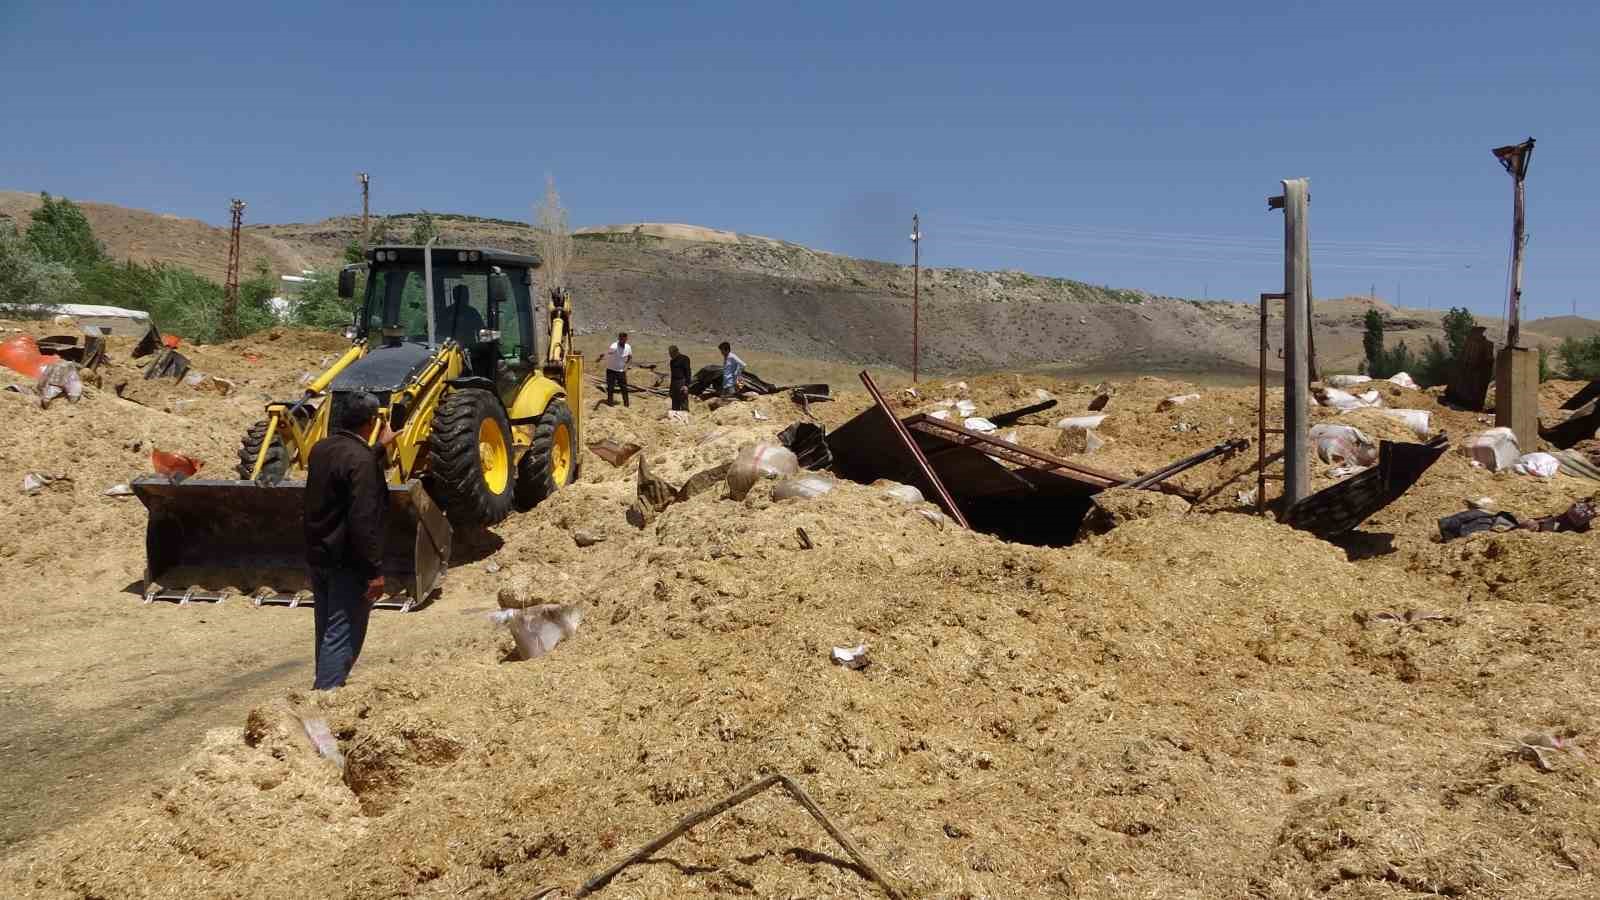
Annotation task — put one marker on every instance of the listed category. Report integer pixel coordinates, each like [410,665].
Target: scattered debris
[174,465]
[1078,441]
[804,487]
[1081,421]
[704,480]
[1582,424]
[851,657]
[1539,465]
[1177,401]
[118,490]
[1346,381]
[168,363]
[863,864]
[35,482]
[538,629]
[809,443]
[1403,380]
[57,379]
[1538,748]
[1486,504]
[1343,443]
[1335,510]
[1475,521]
[491,567]
[803,538]
[584,538]
[1001,420]
[757,461]
[1099,402]
[905,493]
[614,452]
[1415,419]
[980,425]
[759,416]
[1494,449]
[653,496]
[322,740]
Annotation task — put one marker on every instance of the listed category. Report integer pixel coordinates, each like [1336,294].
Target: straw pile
[1192,705]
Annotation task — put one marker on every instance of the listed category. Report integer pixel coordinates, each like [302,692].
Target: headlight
[461,256]
[475,254]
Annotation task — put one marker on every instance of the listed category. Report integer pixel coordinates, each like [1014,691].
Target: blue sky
[1130,144]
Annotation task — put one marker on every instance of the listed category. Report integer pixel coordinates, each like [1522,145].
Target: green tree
[1458,324]
[423,229]
[259,288]
[353,252]
[1581,357]
[1372,342]
[26,280]
[318,305]
[60,232]
[1400,359]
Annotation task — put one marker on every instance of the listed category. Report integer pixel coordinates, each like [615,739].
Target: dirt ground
[1201,704]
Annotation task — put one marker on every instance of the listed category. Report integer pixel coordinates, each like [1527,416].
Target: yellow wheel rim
[561,455]
[492,455]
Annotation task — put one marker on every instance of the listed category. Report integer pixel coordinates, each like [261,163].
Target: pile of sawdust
[1205,705]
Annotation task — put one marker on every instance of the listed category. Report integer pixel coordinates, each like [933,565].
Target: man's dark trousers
[341,615]
[614,380]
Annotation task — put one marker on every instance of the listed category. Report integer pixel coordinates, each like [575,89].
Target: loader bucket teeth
[220,538]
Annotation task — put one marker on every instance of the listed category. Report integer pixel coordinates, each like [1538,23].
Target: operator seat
[465,319]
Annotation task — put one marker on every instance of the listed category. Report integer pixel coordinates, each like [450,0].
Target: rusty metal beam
[947,502]
[1003,449]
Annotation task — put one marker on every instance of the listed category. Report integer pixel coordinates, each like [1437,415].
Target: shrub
[60,233]
[26,280]
[1581,357]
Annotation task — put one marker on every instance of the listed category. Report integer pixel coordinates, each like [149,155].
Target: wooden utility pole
[366,233]
[916,291]
[230,287]
[1294,202]
[1515,160]
[1516,381]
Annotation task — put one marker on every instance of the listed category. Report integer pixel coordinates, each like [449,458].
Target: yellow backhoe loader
[445,339]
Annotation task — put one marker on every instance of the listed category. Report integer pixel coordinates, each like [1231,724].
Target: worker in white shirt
[617,357]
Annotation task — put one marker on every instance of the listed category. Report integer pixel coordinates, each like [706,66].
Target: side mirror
[347,283]
[499,289]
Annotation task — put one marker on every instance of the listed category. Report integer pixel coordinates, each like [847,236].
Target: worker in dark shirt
[680,378]
[346,499]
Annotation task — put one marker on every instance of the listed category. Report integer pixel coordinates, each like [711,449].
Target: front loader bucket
[211,539]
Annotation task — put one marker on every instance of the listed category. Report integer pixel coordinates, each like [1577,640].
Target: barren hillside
[688,283]
[144,236]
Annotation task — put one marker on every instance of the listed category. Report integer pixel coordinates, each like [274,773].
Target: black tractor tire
[536,470]
[456,476]
[276,465]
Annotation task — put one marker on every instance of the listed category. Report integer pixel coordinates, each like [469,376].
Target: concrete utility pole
[366,234]
[230,287]
[916,290]
[1516,371]
[1294,202]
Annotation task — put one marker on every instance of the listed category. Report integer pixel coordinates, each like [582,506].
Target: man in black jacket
[680,378]
[346,499]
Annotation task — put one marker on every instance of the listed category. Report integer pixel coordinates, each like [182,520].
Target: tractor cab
[481,299]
